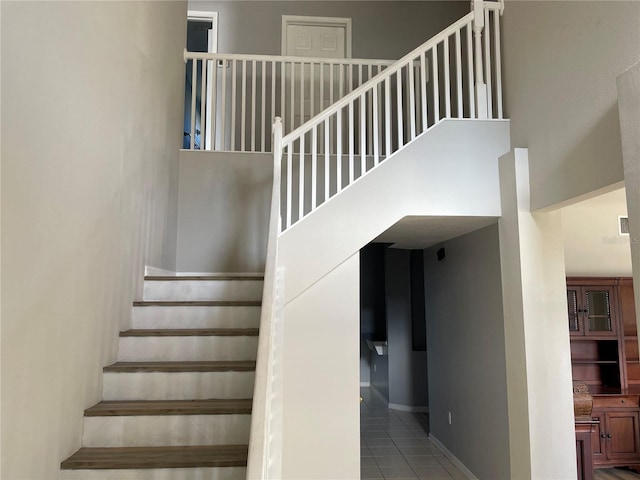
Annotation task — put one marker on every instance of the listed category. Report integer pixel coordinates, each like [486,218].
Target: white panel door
[316,41]
[314,38]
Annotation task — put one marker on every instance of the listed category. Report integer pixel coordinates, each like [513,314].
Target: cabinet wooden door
[591,310]
[623,437]
[598,437]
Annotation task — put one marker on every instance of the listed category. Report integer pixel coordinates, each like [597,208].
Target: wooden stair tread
[170,407]
[226,276]
[195,303]
[174,367]
[157,457]
[191,332]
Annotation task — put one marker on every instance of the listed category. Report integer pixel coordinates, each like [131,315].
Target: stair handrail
[324,135]
[264,452]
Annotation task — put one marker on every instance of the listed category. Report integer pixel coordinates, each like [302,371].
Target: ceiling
[415,232]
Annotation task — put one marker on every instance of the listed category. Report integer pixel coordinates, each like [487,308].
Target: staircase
[177,403]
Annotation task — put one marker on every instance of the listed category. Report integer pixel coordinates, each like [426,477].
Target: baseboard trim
[149,270]
[408,408]
[365,384]
[154,271]
[447,453]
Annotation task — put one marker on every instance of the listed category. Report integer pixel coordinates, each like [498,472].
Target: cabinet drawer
[618,401]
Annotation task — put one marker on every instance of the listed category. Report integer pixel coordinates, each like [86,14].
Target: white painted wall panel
[91,125]
[321,398]
[561,60]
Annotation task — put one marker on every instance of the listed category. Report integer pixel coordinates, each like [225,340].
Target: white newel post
[481,87]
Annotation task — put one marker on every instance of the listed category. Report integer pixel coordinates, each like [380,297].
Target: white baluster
[223,107]
[460,112]
[363,135]
[447,79]
[376,114]
[423,89]
[301,180]
[351,144]
[254,101]
[212,109]
[339,150]
[472,96]
[436,82]
[233,104]
[481,88]
[412,102]
[487,59]
[314,167]
[399,108]
[289,182]
[243,103]
[387,114]
[496,32]
[327,160]
[194,83]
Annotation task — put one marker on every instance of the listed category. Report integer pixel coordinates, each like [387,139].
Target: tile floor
[395,445]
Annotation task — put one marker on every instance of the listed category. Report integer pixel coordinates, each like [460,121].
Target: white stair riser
[186,349]
[214,473]
[177,386]
[195,317]
[166,430]
[191,290]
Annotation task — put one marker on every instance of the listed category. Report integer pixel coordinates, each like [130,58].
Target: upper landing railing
[234,98]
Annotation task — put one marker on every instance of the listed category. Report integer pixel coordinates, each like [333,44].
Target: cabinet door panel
[575,325]
[599,315]
[624,441]
[597,442]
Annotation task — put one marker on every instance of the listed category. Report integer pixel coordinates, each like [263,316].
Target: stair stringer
[449,170]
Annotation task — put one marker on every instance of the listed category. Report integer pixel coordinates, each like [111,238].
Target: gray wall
[223,211]
[407,369]
[373,321]
[466,351]
[92,96]
[385,30]
[380,374]
[561,60]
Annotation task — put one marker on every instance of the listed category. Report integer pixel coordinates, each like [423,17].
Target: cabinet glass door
[572,304]
[599,311]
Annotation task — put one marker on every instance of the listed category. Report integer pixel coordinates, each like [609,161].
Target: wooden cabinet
[604,354]
[616,439]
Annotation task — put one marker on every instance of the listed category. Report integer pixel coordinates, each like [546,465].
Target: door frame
[317,22]
[212,17]
[212,47]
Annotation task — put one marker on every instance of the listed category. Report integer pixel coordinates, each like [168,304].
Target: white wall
[539,392]
[223,211]
[381,29]
[321,398]
[91,126]
[628,86]
[407,368]
[592,245]
[561,60]
[466,351]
